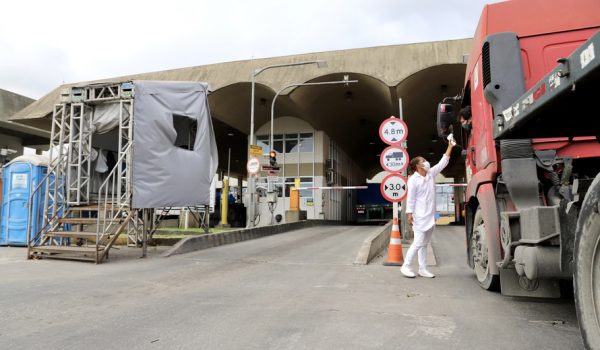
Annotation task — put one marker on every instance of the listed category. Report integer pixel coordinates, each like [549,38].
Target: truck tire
[479,251]
[586,279]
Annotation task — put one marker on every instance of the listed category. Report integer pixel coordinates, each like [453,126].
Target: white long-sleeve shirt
[421,196]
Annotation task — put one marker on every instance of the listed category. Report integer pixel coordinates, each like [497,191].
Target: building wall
[326,159]
[11,142]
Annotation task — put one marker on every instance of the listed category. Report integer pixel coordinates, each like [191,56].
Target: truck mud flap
[513,285]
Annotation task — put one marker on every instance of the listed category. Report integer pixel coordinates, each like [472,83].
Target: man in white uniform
[420,209]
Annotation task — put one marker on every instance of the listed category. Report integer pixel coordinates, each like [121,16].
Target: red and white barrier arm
[451,185]
[336,188]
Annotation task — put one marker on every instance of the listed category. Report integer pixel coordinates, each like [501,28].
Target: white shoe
[406,271]
[425,273]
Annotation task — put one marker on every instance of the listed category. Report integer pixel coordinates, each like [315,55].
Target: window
[304,183]
[306,142]
[186,128]
[278,143]
[288,143]
[291,143]
[444,199]
[263,141]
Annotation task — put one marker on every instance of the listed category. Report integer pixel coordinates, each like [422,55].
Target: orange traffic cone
[395,257]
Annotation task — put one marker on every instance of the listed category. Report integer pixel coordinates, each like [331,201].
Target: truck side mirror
[445,119]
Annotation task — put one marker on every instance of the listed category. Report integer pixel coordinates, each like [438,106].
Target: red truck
[533,153]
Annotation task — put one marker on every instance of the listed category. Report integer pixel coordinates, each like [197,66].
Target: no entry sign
[394,159]
[394,188]
[393,131]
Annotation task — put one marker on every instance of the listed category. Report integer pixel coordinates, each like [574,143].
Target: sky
[44,44]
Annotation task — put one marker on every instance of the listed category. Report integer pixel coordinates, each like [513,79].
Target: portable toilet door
[20,178]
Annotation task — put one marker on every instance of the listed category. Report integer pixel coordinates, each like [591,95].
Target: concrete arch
[297,124]
[420,93]
[349,115]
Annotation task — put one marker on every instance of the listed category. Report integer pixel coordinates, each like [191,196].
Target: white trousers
[419,246]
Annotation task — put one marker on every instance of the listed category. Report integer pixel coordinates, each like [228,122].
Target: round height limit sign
[393,131]
[394,188]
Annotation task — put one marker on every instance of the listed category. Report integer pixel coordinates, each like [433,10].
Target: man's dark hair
[465,113]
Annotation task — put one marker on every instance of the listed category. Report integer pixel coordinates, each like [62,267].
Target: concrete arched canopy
[350,115]
[420,93]
[230,109]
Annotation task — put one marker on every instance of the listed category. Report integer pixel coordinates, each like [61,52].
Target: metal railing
[112,200]
[52,186]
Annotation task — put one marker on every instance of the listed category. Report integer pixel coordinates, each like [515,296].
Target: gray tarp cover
[164,174]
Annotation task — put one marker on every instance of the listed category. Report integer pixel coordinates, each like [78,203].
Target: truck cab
[532,157]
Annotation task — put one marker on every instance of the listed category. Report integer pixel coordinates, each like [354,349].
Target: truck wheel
[586,278]
[479,250]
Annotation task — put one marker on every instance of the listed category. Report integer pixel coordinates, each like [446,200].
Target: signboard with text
[394,159]
[393,131]
[394,188]
[255,151]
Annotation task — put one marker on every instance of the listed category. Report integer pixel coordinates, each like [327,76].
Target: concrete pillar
[240,188]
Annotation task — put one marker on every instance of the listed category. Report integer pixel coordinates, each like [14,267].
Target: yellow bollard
[224,202]
[295,196]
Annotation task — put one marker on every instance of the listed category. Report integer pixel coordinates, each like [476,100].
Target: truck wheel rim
[595,280]
[479,248]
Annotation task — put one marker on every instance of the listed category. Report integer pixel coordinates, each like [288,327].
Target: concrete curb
[210,240]
[374,244]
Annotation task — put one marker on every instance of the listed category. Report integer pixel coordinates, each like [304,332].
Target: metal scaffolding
[70,208]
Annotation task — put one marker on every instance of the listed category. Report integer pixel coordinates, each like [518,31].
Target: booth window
[305,181]
[288,143]
[186,129]
[263,141]
[291,143]
[306,142]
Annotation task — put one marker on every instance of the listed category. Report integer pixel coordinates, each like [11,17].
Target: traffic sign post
[394,188]
[394,159]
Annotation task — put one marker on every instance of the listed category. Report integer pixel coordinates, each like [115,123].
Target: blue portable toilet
[20,177]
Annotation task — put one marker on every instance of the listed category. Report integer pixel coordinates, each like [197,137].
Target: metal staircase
[75,222]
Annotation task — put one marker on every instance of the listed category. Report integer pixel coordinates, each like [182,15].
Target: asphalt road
[297,290]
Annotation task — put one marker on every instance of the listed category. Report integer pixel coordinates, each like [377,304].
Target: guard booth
[19,178]
[117,152]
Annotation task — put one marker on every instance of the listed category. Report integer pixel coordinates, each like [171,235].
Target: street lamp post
[345,81]
[255,72]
